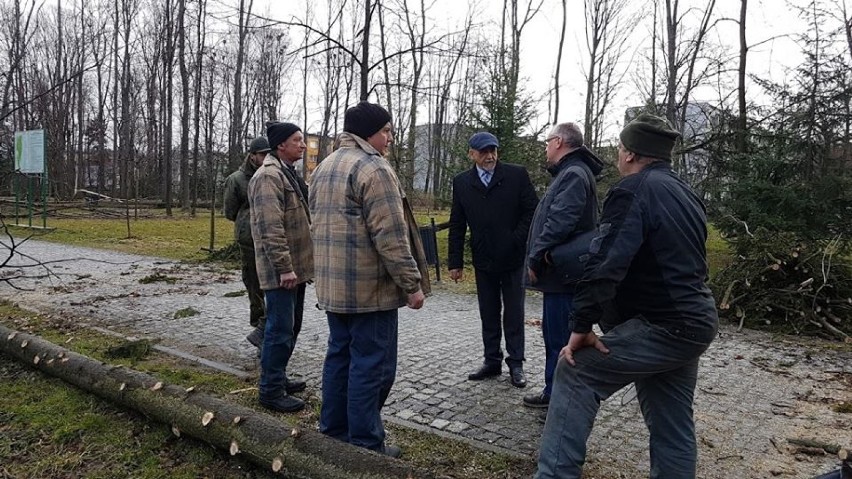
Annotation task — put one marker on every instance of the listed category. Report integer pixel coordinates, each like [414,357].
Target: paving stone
[740,377]
[439,424]
[406,414]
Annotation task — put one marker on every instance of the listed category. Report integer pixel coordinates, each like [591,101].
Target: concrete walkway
[754,392]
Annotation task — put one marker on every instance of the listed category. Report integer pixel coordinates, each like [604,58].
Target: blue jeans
[664,368]
[278,342]
[359,371]
[556,324]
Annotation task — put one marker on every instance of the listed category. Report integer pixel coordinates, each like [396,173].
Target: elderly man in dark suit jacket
[497,201]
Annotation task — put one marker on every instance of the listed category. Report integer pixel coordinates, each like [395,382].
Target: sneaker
[255,337]
[283,403]
[540,400]
[392,451]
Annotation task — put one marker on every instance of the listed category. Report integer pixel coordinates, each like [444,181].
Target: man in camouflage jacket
[237,210]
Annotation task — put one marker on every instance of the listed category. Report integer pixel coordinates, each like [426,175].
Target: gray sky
[766,19]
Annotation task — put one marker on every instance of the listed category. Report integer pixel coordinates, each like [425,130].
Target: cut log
[263,439]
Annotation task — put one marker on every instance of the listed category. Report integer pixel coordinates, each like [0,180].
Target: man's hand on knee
[579,341]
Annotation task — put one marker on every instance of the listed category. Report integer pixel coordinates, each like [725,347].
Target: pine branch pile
[785,284]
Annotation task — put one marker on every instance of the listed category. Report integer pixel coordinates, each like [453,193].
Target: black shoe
[392,451]
[540,400]
[283,403]
[485,371]
[295,386]
[255,337]
[516,376]
[542,417]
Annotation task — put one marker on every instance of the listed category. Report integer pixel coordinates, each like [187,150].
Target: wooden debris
[206,418]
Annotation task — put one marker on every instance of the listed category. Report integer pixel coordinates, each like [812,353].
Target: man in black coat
[497,201]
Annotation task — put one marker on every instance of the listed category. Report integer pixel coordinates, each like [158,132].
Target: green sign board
[29,151]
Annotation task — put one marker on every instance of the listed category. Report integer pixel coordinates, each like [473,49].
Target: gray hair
[570,133]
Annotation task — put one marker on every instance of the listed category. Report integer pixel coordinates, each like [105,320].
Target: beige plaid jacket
[367,248]
[279,226]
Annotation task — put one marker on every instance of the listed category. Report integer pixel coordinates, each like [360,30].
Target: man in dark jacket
[650,259]
[497,201]
[237,210]
[569,207]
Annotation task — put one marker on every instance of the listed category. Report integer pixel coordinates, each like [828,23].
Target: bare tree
[555,118]
[200,39]
[414,29]
[683,68]
[606,40]
[515,21]
[682,57]
[235,134]
[445,74]
[742,123]
[21,24]
[184,110]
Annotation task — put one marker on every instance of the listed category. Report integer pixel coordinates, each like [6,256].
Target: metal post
[30,200]
[437,256]
[44,194]
[17,179]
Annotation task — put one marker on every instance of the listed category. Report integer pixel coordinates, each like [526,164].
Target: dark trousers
[257,314]
[359,371]
[556,325]
[665,370]
[501,309]
[278,342]
[298,310]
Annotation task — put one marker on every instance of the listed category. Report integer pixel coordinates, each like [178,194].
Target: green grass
[718,252]
[182,237]
[51,429]
[179,237]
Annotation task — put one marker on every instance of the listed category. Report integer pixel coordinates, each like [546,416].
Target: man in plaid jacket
[369,262]
[280,226]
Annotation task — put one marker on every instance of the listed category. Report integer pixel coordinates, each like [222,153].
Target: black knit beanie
[365,119]
[649,135]
[278,132]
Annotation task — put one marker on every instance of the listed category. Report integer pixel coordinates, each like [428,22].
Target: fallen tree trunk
[263,439]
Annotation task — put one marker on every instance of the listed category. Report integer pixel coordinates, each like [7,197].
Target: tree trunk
[261,438]
[365,51]
[168,102]
[185,113]
[235,136]
[200,38]
[652,101]
[559,63]
[80,158]
[671,47]
[741,89]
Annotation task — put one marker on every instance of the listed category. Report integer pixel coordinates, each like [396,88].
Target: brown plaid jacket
[367,248]
[279,226]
